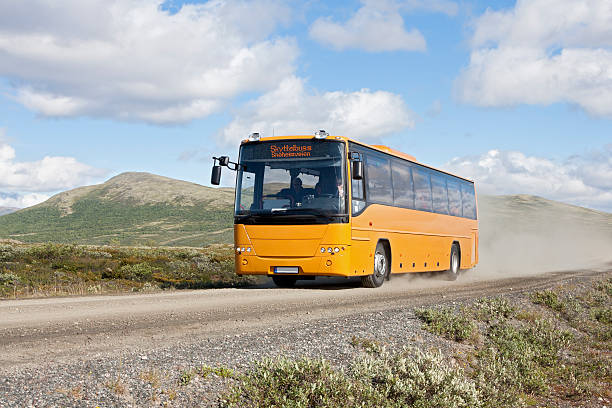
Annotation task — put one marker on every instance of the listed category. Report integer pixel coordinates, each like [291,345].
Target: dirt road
[55,331]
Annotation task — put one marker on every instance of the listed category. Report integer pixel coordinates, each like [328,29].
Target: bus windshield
[300,179]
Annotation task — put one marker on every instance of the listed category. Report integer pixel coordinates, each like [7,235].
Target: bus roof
[380,148]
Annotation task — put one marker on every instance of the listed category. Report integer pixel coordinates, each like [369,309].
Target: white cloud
[541,53]
[22,200]
[377,26]
[292,109]
[131,60]
[26,183]
[584,180]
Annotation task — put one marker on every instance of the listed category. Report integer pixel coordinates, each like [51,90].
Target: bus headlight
[330,250]
[336,249]
[322,250]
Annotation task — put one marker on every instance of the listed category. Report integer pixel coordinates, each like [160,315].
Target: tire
[284,281]
[381,269]
[455,261]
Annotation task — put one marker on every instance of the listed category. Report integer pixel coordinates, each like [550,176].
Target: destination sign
[290,150]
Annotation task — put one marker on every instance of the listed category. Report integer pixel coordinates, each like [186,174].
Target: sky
[515,95]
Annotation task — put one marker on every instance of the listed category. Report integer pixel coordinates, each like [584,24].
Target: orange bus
[331,206]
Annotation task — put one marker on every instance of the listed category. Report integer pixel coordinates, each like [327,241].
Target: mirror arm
[224,161]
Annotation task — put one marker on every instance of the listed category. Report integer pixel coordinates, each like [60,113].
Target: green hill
[129,209]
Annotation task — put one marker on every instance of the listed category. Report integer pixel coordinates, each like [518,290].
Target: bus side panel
[420,241]
[362,246]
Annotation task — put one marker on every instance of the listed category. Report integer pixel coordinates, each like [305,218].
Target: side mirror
[224,161]
[215,177]
[357,170]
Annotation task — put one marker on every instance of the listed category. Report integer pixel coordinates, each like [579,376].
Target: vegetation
[445,322]
[99,222]
[411,378]
[552,350]
[28,270]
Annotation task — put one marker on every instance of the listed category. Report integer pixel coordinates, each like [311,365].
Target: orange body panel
[419,241]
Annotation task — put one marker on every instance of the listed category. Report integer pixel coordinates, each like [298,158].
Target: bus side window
[378,173]
[403,192]
[357,189]
[422,189]
[454,197]
[440,195]
[469,200]
[357,202]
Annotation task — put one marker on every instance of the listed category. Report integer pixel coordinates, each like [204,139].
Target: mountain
[7,210]
[145,209]
[129,209]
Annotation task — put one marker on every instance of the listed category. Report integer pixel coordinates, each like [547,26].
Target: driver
[331,186]
[295,193]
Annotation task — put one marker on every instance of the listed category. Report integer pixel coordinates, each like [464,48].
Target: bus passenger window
[422,190]
[469,200]
[454,197]
[378,173]
[440,195]
[403,193]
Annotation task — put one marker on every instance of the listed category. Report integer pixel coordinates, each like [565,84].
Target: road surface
[62,330]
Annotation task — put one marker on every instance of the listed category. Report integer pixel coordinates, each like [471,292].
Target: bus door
[361,227]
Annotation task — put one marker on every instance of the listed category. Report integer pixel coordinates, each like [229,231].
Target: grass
[31,270]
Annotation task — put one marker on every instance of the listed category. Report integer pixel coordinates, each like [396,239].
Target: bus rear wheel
[455,261]
[381,269]
[284,281]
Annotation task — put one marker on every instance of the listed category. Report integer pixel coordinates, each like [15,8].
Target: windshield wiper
[308,212]
[290,212]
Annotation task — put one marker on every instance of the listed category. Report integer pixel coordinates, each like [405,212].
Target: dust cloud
[525,235]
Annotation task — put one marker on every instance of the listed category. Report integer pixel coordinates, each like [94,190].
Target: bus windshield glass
[291,178]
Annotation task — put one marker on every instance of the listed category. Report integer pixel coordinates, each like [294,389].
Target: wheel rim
[380,265]
[455,262]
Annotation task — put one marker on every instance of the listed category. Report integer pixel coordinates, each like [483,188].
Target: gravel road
[131,350]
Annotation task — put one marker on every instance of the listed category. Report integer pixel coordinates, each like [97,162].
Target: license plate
[286,269]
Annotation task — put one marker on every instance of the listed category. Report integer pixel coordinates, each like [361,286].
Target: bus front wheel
[455,261]
[284,281]
[381,269]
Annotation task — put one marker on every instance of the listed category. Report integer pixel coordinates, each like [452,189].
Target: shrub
[602,315]
[283,382]
[445,322]
[416,378]
[513,359]
[489,309]
[549,299]
[139,272]
[412,378]
[7,253]
[7,278]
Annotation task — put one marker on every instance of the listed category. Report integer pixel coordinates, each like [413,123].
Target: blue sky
[516,95]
